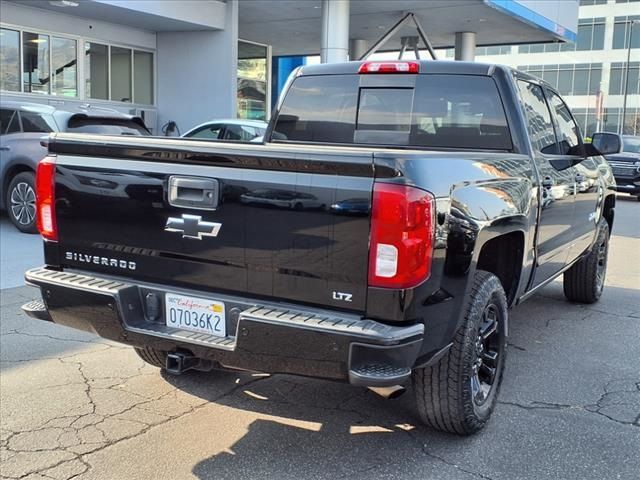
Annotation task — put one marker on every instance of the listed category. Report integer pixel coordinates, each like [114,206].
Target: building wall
[194,75]
[197,76]
[599,58]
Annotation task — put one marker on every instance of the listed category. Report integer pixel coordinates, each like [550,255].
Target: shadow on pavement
[315,428]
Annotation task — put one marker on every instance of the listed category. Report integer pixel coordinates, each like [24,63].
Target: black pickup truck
[394,214]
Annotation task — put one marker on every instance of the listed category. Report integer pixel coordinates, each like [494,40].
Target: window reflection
[252,81]
[96,71]
[64,67]
[35,68]
[120,74]
[10,60]
[143,68]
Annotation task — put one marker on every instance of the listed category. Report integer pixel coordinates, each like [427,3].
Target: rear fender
[480,212]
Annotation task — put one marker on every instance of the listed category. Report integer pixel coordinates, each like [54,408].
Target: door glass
[34,122]
[210,132]
[568,132]
[240,132]
[538,118]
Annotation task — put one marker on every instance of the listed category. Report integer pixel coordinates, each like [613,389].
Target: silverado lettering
[104,261]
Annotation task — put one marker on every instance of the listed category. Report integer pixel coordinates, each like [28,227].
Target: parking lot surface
[75,406]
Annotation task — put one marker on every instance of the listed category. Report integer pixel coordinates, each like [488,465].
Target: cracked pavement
[75,406]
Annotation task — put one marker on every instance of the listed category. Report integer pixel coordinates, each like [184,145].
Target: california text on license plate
[195,314]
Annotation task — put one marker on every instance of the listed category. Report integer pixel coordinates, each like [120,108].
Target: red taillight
[46,199]
[402,232]
[389,67]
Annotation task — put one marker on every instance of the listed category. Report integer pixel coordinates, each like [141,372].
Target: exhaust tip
[389,393]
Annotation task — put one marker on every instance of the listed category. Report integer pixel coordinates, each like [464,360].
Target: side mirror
[606,143]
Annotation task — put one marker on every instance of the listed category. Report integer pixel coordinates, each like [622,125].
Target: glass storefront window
[10,60]
[143,77]
[252,81]
[96,71]
[120,74]
[64,67]
[35,67]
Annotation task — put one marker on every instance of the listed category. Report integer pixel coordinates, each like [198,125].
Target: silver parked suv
[23,126]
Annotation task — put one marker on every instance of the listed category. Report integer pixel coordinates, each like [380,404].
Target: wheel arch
[608,210]
[11,172]
[503,255]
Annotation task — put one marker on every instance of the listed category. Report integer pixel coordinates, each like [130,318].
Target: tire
[584,281]
[21,202]
[458,394]
[638,198]
[156,358]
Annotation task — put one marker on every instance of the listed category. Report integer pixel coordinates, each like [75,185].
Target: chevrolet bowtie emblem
[192,226]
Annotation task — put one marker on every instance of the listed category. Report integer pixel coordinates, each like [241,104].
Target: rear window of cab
[442,111]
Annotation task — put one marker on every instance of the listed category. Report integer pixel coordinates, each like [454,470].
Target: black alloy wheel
[487,351]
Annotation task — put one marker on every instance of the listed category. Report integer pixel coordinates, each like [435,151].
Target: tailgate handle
[194,192]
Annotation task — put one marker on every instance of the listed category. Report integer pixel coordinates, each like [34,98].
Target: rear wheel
[584,281]
[458,394]
[152,356]
[21,202]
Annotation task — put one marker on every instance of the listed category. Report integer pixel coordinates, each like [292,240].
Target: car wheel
[638,198]
[458,394]
[152,356]
[21,202]
[584,281]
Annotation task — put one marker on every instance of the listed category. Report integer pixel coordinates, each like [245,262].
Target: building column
[335,31]
[465,46]
[357,48]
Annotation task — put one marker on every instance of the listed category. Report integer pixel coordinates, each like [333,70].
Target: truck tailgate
[281,222]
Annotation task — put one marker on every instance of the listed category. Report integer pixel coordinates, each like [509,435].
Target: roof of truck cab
[426,67]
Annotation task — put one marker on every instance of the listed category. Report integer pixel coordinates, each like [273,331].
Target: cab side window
[568,132]
[539,124]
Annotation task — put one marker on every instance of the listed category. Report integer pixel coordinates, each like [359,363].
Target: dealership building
[189,61]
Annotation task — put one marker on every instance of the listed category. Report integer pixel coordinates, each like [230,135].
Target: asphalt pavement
[75,406]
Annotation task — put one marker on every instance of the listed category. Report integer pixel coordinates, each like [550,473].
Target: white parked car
[230,129]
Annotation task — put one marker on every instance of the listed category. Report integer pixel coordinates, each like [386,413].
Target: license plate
[195,314]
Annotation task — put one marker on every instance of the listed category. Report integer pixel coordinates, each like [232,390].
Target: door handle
[6,148]
[193,192]
[547,182]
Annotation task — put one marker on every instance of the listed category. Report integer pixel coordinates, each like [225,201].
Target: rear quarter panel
[499,195]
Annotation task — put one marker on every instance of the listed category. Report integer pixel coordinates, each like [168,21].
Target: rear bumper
[271,338]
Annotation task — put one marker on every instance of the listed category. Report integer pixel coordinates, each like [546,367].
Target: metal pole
[335,31]
[465,48]
[424,37]
[626,78]
[385,37]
